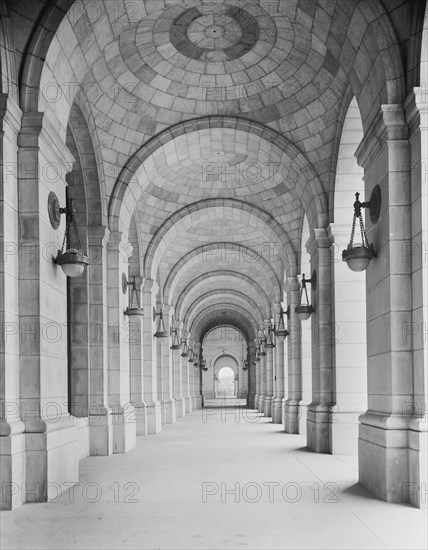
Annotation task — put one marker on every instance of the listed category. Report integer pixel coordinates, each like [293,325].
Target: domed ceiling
[267,91]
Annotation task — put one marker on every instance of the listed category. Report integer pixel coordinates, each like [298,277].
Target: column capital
[35,127]
[97,234]
[388,125]
[320,238]
[10,113]
[292,285]
[151,285]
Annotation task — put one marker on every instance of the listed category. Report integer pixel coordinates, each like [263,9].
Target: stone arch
[8,69]
[171,280]
[95,191]
[212,276]
[36,51]
[213,316]
[223,293]
[181,216]
[311,192]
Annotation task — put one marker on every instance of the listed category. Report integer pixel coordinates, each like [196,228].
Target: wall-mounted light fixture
[184,347]
[175,343]
[160,329]
[304,310]
[270,333]
[358,256]
[262,340]
[257,354]
[71,257]
[134,300]
[280,331]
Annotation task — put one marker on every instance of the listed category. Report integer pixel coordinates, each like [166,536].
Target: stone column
[197,378]
[136,369]
[124,425]
[279,378]
[153,408]
[252,377]
[12,438]
[180,408]
[319,418]
[184,365]
[416,107]
[168,401]
[262,383]
[192,385]
[258,379]
[294,350]
[269,382]
[51,439]
[392,442]
[100,414]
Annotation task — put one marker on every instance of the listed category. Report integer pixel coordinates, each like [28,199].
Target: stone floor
[176,490]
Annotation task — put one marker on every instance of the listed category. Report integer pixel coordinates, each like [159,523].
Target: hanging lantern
[262,350]
[134,304]
[257,354]
[358,256]
[204,365]
[196,360]
[184,348]
[71,257]
[304,310]
[280,331]
[191,355]
[270,342]
[160,329]
[175,344]
[246,364]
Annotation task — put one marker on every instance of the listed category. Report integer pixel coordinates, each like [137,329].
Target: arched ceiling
[214,126]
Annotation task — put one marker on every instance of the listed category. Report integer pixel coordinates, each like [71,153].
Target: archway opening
[226,383]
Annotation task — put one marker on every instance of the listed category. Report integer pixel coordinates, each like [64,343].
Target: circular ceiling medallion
[214,37]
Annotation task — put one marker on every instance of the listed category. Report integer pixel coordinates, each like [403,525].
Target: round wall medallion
[54,210]
[375,204]
[124,283]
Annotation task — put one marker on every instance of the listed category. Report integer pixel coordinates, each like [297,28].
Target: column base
[387,466]
[268,406]
[418,461]
[124,429]
[141,418]
[180,407]
[277,410]
[154,417]
[12,458]
[319,427]
[187,404]
[261,406]
[344,428]
[198,402]
[256,401]
[251,401]
[100,431]
[52,459]
[291,418]
[168,411]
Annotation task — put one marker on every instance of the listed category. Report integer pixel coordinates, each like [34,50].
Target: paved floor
[219,478]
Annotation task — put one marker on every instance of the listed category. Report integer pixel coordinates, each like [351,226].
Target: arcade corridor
[281,489]
[204,199]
